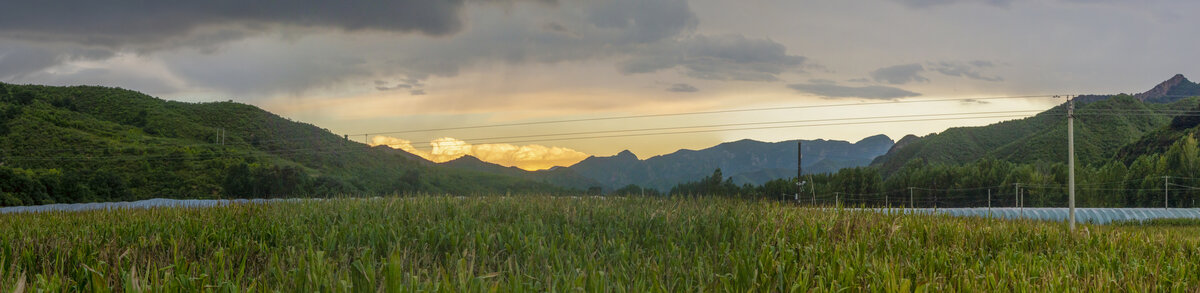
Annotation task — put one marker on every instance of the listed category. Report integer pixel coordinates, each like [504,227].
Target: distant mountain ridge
[746,161]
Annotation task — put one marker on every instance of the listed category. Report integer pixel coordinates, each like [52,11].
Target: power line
[698,113]
[747,124]
[751,128]
[360,147]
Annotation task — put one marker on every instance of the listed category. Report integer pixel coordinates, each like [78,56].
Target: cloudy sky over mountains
[379,66]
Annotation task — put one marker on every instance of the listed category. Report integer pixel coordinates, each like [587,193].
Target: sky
[386,68]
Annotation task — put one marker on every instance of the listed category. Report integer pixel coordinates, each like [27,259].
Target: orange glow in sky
[528,157]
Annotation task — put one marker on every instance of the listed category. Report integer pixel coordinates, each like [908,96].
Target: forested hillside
[87,143]
[1131,152]
[1102,127]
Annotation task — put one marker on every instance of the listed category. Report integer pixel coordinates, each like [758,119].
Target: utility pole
[799,168]
[989,203]
[1022,193]
[1166,192]
[1071,158]
[836,199]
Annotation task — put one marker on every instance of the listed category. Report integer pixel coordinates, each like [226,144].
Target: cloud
[974,102]
[866,92]
[642,21]
[721,57]
[555,27]
[682,88]
[76,30]
[934,3]
[295,52]
[124,22]
[899,74]
[21,59]
[528,157]
[965,69]
[413,85]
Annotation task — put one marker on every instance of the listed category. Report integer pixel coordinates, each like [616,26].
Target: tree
[634,189]
[237,182]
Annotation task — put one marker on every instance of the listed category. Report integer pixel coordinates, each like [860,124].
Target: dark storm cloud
[682,88]
[18,60]
[723,57]
[965,69]
[899,74]
[261,49]
[644,21]
[866,92]
[116,23]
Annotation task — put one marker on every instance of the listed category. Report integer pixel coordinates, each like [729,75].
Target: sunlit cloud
[527,157]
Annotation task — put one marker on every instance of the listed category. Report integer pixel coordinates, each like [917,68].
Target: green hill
[1102,128]
[87,143]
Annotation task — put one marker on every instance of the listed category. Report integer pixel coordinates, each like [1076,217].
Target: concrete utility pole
[1071,159]
[1166,192]
[989,203]
[799,168]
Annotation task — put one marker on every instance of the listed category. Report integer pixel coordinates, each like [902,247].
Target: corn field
[547,243]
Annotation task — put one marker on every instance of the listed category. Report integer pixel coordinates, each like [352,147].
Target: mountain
[746,161]
[1174,89]
[1103,126]
[1159,141]
[88,143]
[558,176]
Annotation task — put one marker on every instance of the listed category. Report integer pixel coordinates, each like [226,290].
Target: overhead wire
[967,116]
[699,113]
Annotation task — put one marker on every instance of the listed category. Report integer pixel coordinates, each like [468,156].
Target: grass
[542,243]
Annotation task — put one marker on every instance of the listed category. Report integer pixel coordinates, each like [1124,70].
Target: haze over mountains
[746,161]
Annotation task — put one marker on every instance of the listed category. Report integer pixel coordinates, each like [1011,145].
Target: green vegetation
[1113,184]
[542,243]
[86,143]
[1161,222]
[1102,128]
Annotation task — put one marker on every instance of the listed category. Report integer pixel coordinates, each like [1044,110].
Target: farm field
[546,243]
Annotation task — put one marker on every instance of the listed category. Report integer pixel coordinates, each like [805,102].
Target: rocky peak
[626,154]
[1163,88]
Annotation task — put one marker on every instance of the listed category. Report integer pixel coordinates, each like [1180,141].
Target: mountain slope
[1173,89]
[1103,126]
[747,161]
[86,143]
[559,176]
